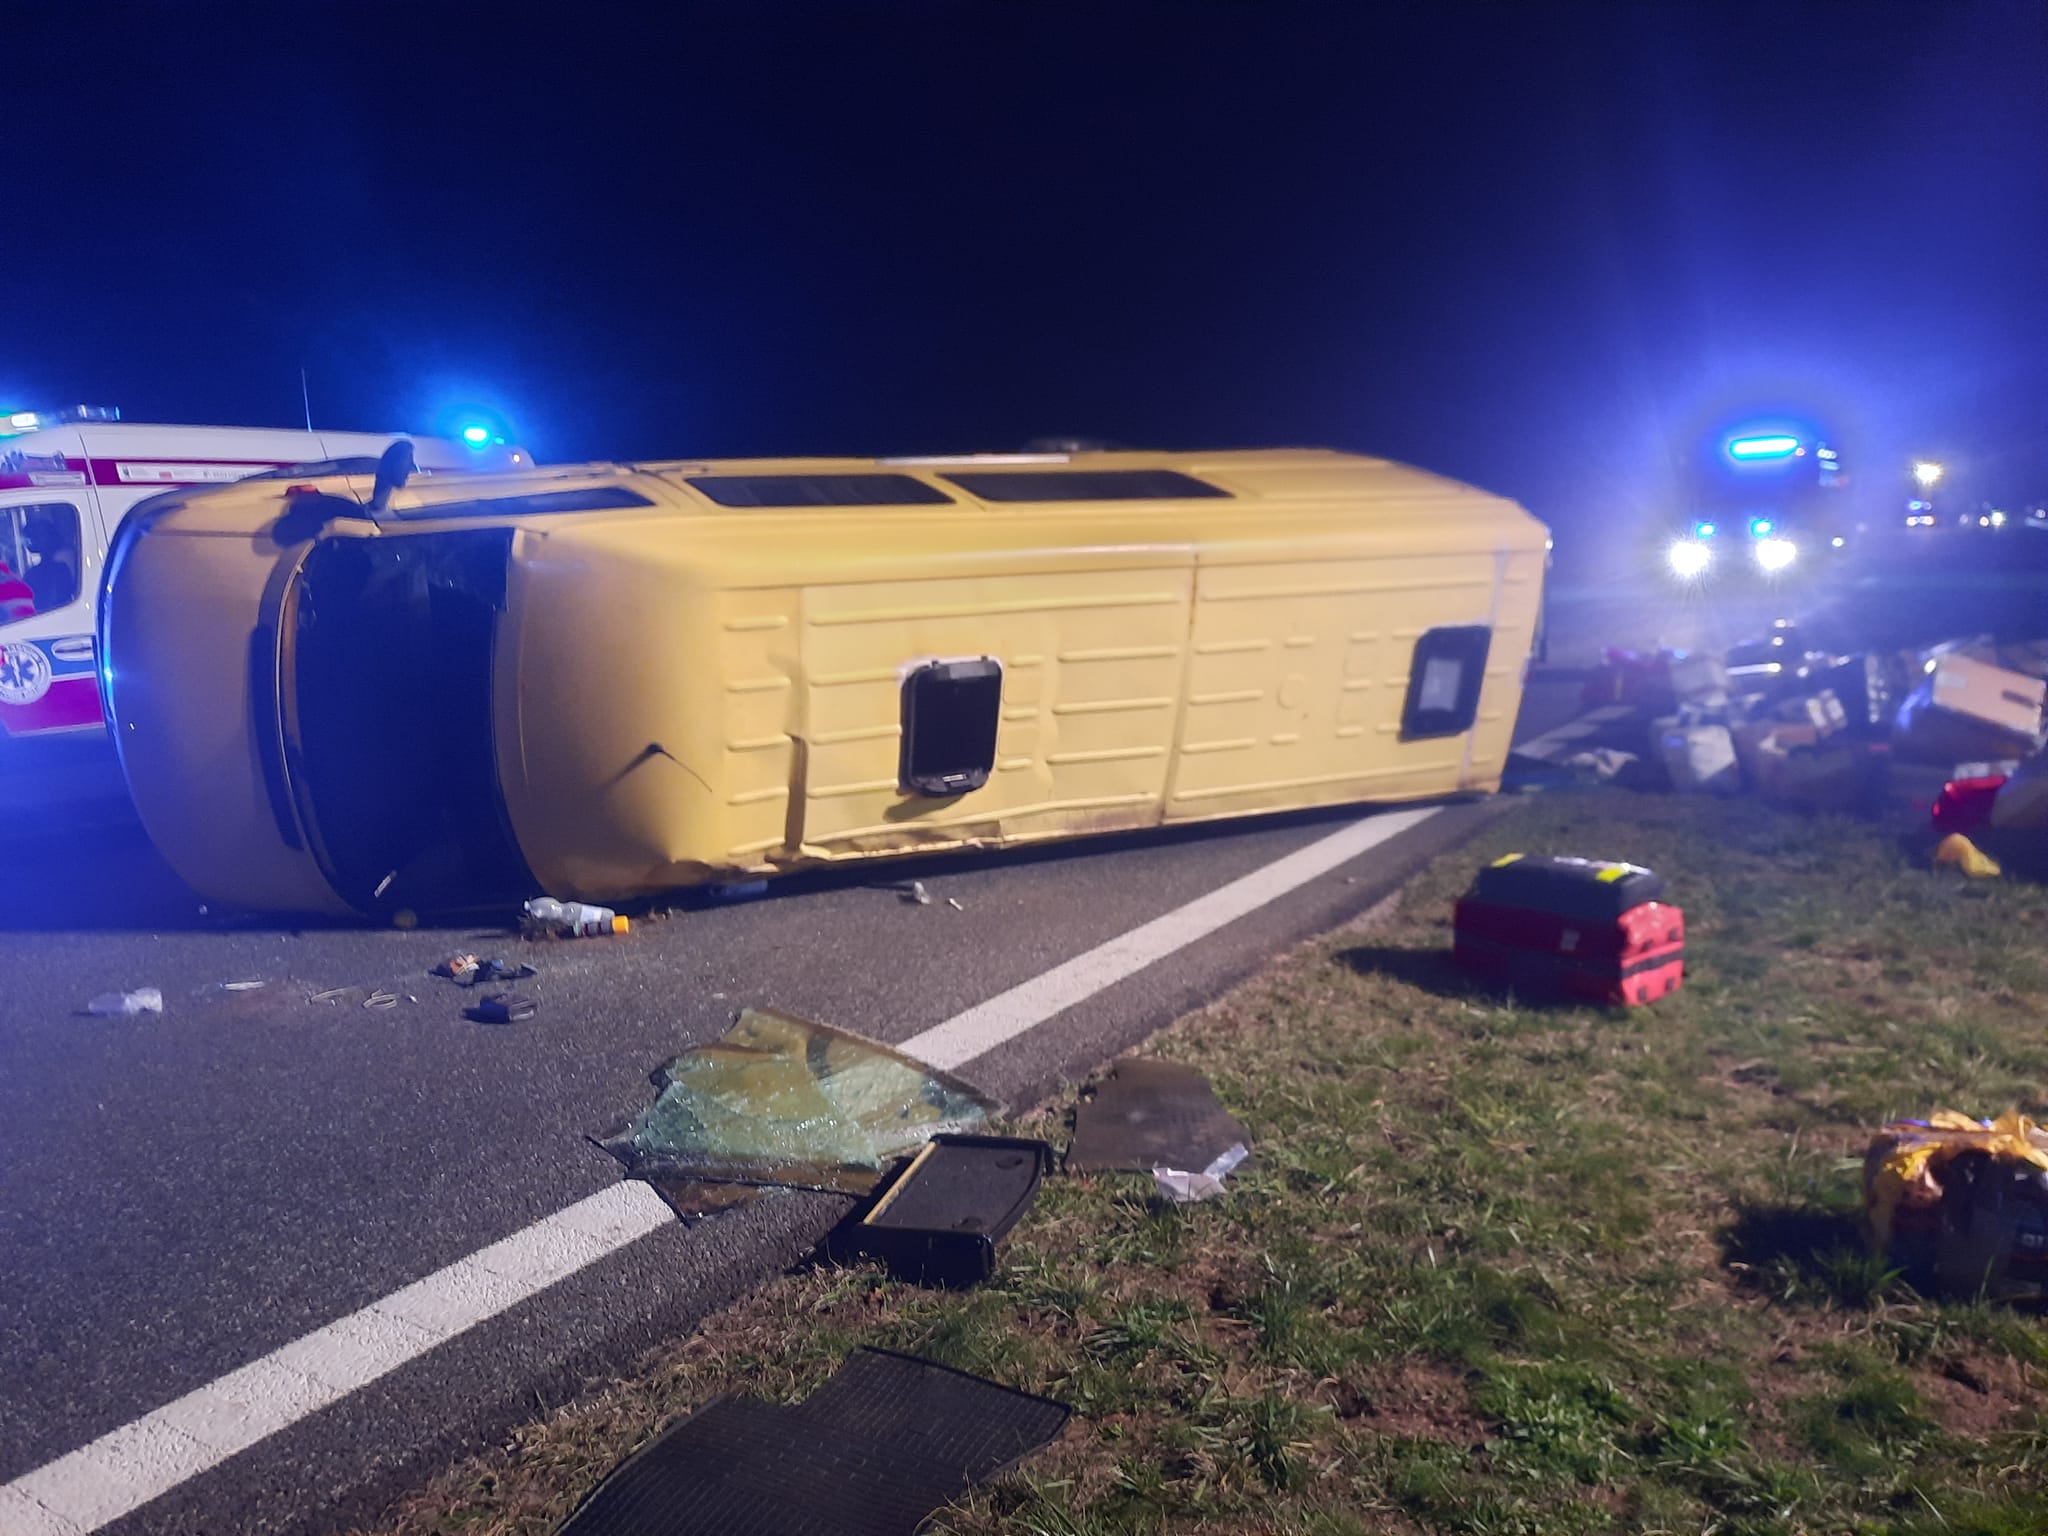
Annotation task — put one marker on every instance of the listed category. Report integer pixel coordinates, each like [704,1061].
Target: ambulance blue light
[476,435]
[1776,447]
[1759,526]
[1703,530]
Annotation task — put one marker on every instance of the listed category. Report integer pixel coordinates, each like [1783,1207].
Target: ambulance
[67,479]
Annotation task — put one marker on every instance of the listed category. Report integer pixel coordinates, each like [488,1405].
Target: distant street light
[1926,471]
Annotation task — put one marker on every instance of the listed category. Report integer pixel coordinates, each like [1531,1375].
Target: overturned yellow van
[343,693]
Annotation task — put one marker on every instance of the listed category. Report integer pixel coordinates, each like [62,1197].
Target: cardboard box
[1976,690]
[1826,776]
[1821,711]
[1967,710]
[1699,758]
[1750,737]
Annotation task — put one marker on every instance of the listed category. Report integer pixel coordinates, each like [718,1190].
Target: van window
[1083,485]
[819,491]
[950,710]
[41,555]
[1443,681]
[591,498]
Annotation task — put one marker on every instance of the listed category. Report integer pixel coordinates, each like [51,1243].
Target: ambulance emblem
[24,674]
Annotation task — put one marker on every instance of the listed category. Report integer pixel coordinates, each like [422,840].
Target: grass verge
[1493,1268]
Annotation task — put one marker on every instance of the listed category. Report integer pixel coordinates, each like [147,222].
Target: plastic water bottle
[573,919]
[121,1005]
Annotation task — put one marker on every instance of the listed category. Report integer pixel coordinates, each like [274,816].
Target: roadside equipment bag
[1580,928]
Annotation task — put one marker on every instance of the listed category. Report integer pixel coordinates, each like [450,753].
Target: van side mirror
[393,470]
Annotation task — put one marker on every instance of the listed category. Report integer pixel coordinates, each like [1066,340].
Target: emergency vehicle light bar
[31,421]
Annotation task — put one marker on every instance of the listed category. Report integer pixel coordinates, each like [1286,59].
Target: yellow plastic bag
[1902,1170]
[1974,861]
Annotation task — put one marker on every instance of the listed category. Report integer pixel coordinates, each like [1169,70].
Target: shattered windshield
[783,1100]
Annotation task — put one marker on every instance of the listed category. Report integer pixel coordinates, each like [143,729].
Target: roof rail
[978,458]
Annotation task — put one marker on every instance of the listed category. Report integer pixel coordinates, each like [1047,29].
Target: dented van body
[610,681]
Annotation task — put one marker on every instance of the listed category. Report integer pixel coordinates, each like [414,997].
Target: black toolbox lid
[938,1221]
[1588,889]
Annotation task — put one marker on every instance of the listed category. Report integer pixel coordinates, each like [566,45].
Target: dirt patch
[1975,1394]
[1416,1400]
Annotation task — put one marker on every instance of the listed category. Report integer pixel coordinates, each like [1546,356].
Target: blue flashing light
[476,435]
[1772,447]
[1703,530]
[1759,526]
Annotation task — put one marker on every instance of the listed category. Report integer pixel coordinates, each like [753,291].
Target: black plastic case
[939,1220]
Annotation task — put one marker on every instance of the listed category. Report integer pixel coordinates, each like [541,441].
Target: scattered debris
[938,1221]
[1699,757]
[461,969]
[1186,1188]
[1606,764]
[384,884]
[1631,678]
[381,1000]
[885,1442]
[1964,804]
[1569,927]
[503,1008]
[914,892]
[329,995]
[954,903]
[783,1100]
[1958,850]
[120,1005]
[1955,731]
[240,986]
[1962,1201]
[1147,1112]
[469,971]
[1967,708]
[545,917]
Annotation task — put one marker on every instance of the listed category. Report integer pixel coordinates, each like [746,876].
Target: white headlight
[1775,554]
[1688,559]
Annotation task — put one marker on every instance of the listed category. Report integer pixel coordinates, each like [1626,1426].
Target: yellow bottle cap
[620,925]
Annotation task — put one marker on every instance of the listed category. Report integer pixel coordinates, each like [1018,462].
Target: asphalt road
[183,1194]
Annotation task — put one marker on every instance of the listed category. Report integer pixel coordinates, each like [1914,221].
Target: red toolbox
[1583,928]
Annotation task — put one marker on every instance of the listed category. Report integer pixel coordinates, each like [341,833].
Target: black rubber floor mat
[738,1467]
[1151,1114]
[945,1416]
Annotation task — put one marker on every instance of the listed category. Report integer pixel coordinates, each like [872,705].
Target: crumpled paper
[1184,1188]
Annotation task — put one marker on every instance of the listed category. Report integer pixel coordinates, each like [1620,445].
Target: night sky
[1538,246]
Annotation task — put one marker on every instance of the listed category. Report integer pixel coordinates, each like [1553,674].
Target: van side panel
[1518,598]
[620,779]
[1091,671]
[761,705]
[1297,676]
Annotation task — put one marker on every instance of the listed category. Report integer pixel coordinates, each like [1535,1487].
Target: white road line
[96,1484]
[1551,742]
[1024,1007]
[119,1472]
